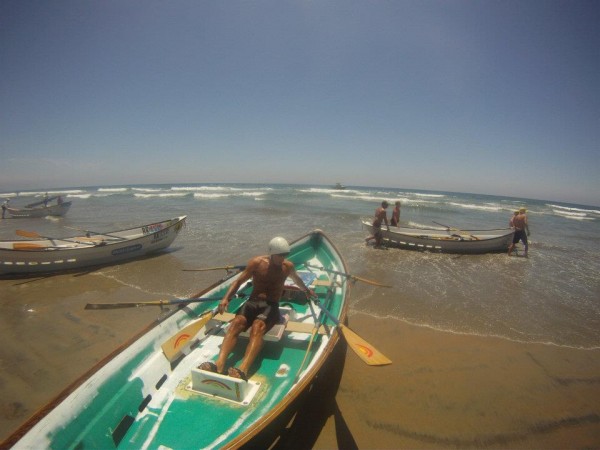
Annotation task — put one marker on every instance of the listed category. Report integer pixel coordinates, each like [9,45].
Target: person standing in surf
[521,226]
[395,221]
[378,220]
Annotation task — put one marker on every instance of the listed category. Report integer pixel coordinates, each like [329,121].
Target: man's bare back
[380,216]
[520,221]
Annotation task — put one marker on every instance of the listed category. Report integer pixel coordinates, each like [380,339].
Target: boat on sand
[42,254]
[150,393]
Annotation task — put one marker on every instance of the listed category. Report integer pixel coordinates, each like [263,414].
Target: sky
[496,97]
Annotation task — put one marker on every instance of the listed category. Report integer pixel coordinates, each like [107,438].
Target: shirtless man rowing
[261,311]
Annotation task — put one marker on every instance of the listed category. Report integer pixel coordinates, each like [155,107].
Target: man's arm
[294,276]
[244,276]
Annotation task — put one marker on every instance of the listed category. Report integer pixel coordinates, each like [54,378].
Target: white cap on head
[278,246]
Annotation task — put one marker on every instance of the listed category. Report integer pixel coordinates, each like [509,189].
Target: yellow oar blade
[363,349]
[173,346]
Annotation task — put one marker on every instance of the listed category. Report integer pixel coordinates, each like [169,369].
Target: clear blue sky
[493,97]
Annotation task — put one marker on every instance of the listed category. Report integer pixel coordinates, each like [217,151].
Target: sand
[443,390]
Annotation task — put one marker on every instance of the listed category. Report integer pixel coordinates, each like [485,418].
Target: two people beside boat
[379,219]
[521,226]
[261,310]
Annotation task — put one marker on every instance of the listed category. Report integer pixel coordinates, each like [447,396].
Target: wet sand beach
[443,390]
[454,391]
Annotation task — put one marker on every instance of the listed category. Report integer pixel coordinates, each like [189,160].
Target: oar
[96,233]
[313,333]
[27,246]
[177,301]
[172,347]
[455,229]
[362,348]
[35,235]
[349,276]
[215,268]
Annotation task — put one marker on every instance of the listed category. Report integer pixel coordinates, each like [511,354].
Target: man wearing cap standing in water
[519,223]
[261,311]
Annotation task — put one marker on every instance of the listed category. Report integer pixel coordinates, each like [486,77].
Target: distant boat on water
[339,186]
[60,209]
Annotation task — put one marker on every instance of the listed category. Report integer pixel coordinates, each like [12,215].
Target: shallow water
[551,297]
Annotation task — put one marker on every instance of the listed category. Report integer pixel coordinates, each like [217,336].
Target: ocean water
[552,297]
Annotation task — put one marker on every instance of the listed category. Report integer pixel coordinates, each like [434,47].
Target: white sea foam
[205,188]
[443,329]
[211,195]
[484,207]
[123,189]
[418,194]
[566,208]
[161,194]
[572,215]
[79,195]
[147,189]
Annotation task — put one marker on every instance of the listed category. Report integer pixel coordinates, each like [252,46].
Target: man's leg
[237,326]
[259,328]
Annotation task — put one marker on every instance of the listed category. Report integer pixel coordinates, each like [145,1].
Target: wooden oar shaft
[455,229]
[215,268]
[35,235]
[313,334]
[96,233]
[350,276]
[177,301]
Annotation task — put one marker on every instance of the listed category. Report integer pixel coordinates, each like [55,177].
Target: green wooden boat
[150,394]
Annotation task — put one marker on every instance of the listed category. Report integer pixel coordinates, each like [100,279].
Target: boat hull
[446,241]
[50,255]
[137,398]
[52,210]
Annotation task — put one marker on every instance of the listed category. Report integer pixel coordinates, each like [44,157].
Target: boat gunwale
[122,240]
